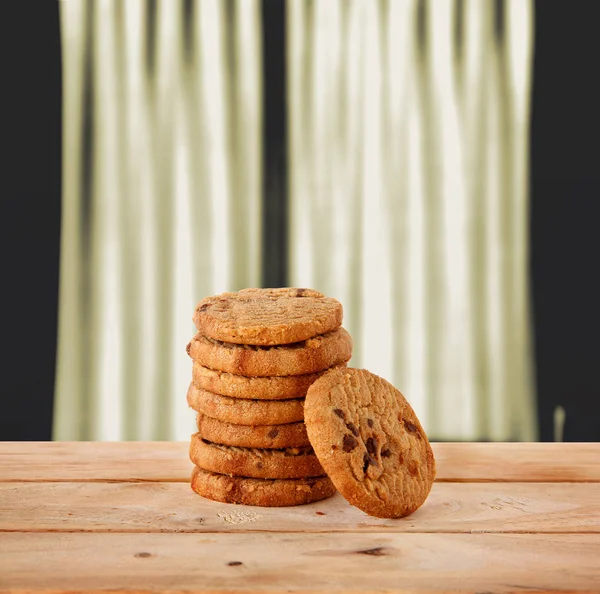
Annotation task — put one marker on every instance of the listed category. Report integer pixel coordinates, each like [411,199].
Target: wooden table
[121,517]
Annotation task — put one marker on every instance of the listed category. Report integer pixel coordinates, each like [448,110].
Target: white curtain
[409,197]
[161,202]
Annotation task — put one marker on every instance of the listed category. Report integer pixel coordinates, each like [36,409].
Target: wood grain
[95,461]
[518,462]
[165,461]
[300,562]
[173,507]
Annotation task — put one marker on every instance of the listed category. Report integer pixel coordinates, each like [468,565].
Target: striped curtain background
[409,192]
[161,205]
[407,197]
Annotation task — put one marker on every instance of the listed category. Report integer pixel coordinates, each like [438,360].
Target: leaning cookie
[260,492]
[243,411]
[370,442]
[286,463]
[292,435]
[309,356]
[267,316]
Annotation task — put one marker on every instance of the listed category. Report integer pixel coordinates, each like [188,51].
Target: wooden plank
[167,461]
[299,563]
[173,507]
[518,462]
[95,461]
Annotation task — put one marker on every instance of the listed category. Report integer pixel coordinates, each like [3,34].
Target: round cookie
[258,388]
[292,435]
[252,462]
[261,492]
[309,356]
[370,442]
[267,316]
[244,411]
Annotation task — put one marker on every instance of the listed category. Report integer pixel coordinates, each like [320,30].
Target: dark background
[565,208]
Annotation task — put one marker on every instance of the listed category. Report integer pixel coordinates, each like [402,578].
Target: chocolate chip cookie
[291,435]
[257,388]
[267,316]
[370,442]
[285,463]
[243,411]
[309,356]
[262,492]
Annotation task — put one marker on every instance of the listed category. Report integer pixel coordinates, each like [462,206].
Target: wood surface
[120,517]
[173,507]
[246,562]
[168,462]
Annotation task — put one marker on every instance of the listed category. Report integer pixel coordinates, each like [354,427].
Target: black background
[565,243]
[565,208]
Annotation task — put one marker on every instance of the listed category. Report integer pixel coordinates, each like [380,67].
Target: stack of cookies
[255,355]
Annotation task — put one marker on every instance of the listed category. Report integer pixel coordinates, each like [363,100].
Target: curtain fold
[408,162]
[409,197]
[161,202]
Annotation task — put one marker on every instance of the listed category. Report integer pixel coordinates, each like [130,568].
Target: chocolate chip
[273,433]
[352,428]
[320,513]
[143,555]
[400,458]
[334,447]
[311,483]
[300,292]
[371,444]
[413,469]
[370,423]
[203,307]
[349,443]
[234,563]
[410,427]
[259,465]
[366,461]
[340,413]
[386,453]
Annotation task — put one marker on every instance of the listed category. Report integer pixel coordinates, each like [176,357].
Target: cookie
[244,411]
[267,316]
[309,356]
[292,435]
[257,388]
[370,442]
[287,463]
[261,492]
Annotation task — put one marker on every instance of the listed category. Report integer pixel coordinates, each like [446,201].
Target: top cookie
[370,442]
[267,316]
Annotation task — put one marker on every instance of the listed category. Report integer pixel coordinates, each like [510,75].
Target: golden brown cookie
[370,442]
[292,435]
[243,411]
[253,462]
[261,492]
[258,388]
[267,316]
[308,356]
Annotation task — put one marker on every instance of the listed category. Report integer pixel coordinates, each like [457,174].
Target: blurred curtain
[409,197]
[161,202]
